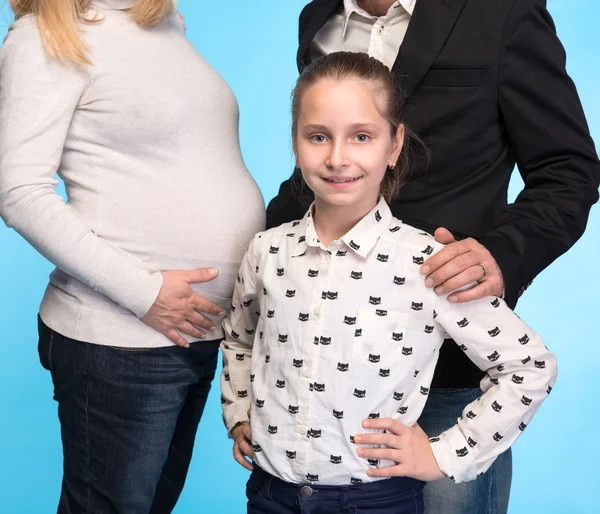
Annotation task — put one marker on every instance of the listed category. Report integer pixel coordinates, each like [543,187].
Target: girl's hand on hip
[242,445]
[408,447]
[178,309]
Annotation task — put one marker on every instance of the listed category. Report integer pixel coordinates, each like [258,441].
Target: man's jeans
[128,421]
[490,492]
[269,495]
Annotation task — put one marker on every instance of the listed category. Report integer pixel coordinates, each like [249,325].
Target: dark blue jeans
[489,493]
[128,421]
[269,495]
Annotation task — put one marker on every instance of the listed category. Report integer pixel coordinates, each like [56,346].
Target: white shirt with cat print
[318,339]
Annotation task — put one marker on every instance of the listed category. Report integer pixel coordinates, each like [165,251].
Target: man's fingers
[478,292]
[444,236]
[461,263]
[444,256]
[176,338]
[459,279]
[187,328]
[203,305]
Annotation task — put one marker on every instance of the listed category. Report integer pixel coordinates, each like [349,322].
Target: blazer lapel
[322,11]
[431,24]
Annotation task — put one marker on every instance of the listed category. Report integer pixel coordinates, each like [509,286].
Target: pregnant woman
[159,211]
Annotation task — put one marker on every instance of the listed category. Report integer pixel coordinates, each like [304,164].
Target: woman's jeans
[269,495]
[128,421]
[490,492]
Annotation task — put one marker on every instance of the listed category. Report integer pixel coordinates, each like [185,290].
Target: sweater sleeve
[520,374]
[38,96]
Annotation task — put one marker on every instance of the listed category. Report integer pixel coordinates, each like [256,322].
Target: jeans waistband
[390,487]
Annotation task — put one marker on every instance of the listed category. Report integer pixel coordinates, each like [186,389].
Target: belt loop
[344,498]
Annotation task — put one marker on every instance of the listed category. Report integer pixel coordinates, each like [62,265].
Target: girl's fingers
[379,453]
[246,449]
[385,439]
[392,471]
[247,430]
[389,424]
[237,455]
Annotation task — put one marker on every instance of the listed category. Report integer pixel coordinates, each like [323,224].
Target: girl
[333,338]
[144,133]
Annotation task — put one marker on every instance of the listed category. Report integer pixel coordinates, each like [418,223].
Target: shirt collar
[360,239]
[351,6]
[120,5]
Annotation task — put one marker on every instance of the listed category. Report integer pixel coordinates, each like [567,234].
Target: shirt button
[306,371]
[316,311]
[306,491]
[380,30]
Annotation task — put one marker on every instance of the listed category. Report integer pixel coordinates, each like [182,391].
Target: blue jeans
[269,495]
[128,421]
[489,493]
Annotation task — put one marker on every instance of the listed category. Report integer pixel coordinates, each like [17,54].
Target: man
[487,88]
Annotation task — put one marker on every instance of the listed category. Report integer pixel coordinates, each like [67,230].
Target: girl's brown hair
[390,101]
[57,21]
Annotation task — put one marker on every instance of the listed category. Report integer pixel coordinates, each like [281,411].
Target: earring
[392,166]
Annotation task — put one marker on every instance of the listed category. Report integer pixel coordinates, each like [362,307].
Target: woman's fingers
[176,338]
[197,319]
[187,328]
[203,305]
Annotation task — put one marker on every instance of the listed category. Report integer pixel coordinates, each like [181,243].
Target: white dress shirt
[355,30]
[319,339]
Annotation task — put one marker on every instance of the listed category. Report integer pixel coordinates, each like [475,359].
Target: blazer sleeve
[554,151]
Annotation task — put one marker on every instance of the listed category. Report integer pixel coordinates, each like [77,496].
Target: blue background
[253,44]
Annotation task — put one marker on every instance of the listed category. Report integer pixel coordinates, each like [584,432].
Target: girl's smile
[344,145]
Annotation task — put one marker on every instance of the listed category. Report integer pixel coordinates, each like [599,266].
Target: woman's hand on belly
[178,309]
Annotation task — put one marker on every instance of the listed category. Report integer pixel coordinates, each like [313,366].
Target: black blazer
[487,89]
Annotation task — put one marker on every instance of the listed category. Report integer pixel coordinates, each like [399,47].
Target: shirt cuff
[454,455]
[235,414]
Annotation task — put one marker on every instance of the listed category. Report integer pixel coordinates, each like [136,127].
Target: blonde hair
[57,21]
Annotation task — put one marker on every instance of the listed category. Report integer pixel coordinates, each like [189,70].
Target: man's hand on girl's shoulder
[462,263]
